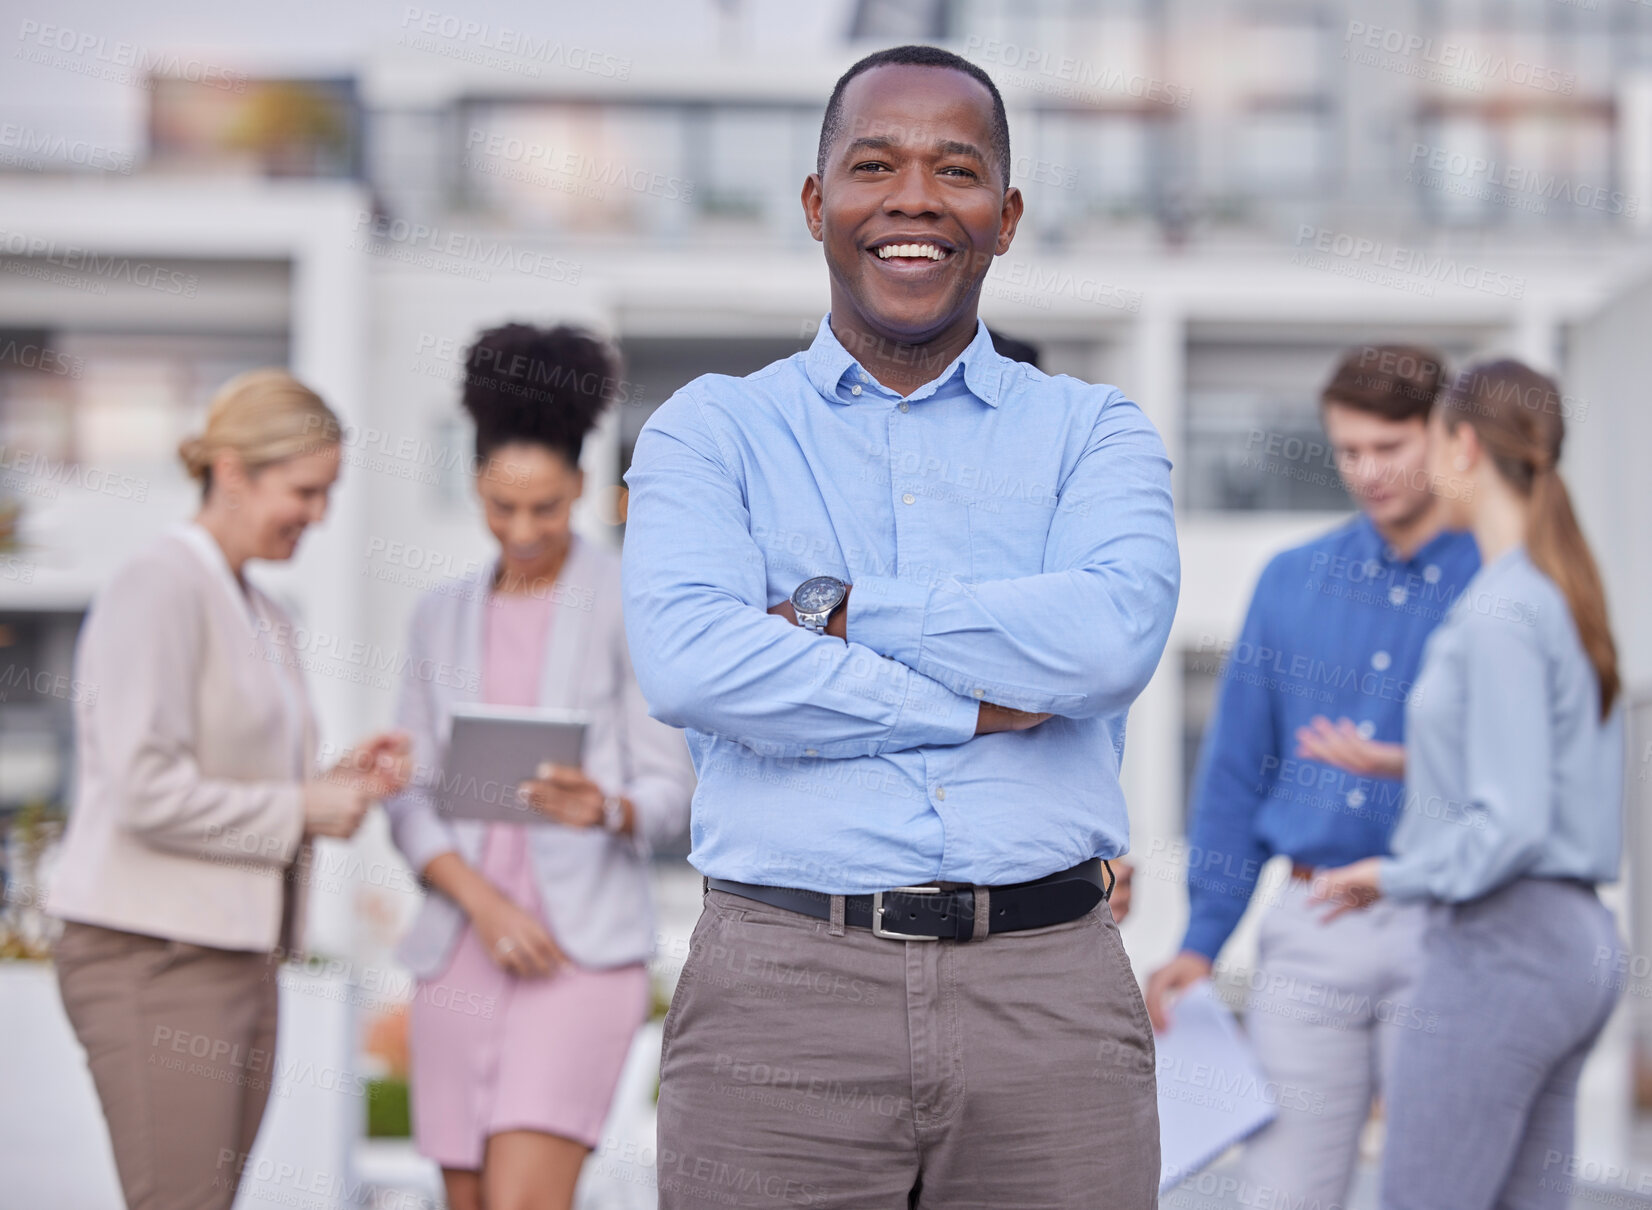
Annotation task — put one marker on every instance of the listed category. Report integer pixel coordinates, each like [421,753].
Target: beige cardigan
[192,741]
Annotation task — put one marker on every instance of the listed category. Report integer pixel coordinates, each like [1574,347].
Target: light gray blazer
[593,884]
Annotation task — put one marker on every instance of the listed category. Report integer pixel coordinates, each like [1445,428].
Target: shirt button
[909,498]
[855,390]
[811,752]
[1431,573]
[1356,798]
[1396,595]
[940,792]
[1381,660]
[905,406]
[863,377]
[979,692]
[1366,729]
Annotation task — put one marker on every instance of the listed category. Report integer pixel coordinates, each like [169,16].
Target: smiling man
[901,591]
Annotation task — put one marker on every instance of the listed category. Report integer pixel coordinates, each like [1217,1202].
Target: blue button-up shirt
[1009,538]
[1336,627]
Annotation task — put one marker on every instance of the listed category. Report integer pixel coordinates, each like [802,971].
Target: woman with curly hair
[531,944]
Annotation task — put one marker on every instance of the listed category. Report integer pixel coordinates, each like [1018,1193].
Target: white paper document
[1212,1094]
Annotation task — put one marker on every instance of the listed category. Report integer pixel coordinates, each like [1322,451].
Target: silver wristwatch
[815,600]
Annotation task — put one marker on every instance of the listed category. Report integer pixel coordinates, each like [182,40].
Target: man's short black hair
[831,125]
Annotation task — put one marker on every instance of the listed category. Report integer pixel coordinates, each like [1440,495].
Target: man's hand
[837,625]
[988,719]
[991,718]
[1341,744]
[1169,981]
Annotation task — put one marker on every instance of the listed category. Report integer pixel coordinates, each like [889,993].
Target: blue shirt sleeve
[1460,851]
[709,656]
[1083,637]
[1237,766]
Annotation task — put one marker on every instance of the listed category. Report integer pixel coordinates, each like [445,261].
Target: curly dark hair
[542,386]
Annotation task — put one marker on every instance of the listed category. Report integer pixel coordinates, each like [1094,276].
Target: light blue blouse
[1510,771]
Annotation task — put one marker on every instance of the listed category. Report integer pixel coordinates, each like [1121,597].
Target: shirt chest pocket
[1007,538]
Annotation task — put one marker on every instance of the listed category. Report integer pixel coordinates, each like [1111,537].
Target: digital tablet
[493,749]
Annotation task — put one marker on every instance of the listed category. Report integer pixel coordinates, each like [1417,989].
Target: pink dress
[492,1051]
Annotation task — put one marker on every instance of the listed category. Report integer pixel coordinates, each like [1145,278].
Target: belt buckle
[877,914]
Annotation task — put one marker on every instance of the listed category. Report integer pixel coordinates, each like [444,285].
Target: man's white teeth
[926,250]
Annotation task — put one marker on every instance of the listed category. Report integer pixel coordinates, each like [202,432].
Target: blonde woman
[530,948]
[181,880]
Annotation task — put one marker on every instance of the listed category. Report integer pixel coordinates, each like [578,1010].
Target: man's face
[910,208]
[1383,463]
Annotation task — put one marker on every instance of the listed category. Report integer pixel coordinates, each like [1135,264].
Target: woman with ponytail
[1514,766]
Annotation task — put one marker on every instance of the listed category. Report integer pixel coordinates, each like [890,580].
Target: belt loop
[705,886]
[983,906]
[835,928]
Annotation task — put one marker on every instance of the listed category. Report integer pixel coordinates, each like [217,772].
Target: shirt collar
[982,366]
[195,536]
[1372,546]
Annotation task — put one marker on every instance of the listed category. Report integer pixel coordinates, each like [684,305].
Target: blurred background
[1221,196]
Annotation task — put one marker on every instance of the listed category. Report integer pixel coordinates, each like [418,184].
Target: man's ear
[1008,219]
[812,201]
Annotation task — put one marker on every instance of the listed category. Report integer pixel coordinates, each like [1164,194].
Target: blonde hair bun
[263,415]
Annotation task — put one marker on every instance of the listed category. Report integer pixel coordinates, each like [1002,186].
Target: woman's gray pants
[1481,1111]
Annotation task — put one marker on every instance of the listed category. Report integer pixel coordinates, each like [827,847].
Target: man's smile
[907,253]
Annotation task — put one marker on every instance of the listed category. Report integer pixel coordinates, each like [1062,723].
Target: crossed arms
[1079,639]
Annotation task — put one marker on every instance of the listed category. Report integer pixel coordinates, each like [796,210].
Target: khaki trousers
[180,1040]
[851,1072]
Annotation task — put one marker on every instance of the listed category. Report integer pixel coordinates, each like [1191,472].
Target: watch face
[818,595]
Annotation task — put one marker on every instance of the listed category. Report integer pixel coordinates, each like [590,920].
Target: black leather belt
[946,910]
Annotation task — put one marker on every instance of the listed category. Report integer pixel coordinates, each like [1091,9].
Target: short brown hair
[1396,382]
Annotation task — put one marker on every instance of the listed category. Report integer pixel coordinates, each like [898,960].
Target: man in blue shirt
[1335,632]
[901,591]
